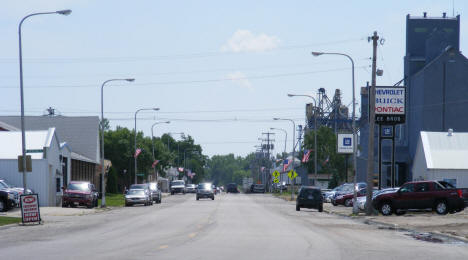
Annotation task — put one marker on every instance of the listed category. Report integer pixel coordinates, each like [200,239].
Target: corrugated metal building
[81,133]
[436,81]
[48,173]
[442,156]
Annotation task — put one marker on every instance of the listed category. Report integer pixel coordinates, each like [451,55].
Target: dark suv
[205,190]
[232,188]
[80,193]
[310,198]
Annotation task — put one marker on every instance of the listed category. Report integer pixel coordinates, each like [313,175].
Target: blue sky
[219,70]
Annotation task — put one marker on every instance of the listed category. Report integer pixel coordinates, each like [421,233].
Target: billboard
[345,143]
[390,105]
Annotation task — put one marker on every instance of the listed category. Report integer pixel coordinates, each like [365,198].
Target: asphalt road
[233,226]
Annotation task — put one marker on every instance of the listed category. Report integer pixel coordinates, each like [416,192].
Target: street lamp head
[272,128]
[155,108]
[167,122]
[64,12]
[291,95]
[275,118]
[130,80]
[316,53]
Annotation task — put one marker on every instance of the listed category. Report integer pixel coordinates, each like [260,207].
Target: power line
[182,82]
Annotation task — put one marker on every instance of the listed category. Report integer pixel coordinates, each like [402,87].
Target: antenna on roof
[51,112]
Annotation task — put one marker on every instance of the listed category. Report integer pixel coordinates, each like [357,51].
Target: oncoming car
[205,190]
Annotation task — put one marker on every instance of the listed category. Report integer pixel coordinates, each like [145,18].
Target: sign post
[389,111]
[30,209]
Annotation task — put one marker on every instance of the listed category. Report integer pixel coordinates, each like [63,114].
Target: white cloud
[246,41]
[241,79]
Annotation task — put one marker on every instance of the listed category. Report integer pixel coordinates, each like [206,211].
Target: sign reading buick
[390,105]
[30,208]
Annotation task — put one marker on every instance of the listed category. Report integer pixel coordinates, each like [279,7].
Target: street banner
[30,208]
[306,155]
[154,163]
[137,152]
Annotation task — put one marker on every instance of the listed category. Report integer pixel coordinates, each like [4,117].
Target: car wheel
[90,206]
[63,205]
[386,209]
[212,198]
[198,198]
[441,207]
[320,209]
[72,205]
[334,203]
[298,208]
[348,203]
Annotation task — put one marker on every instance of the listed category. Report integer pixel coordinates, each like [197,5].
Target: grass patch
[114,200]
[9,220]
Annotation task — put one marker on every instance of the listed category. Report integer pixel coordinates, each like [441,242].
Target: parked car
[420,195]
[232,188]
[258,188]
[13,193]
[361,201]
[7,200]
[191,188]
[80,193]
[347,199]
[205,190]
[177,186]
[137,196]
[309,197]
[155,192]
[145,187]
[280,186]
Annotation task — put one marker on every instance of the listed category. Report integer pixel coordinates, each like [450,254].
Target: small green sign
[141,174]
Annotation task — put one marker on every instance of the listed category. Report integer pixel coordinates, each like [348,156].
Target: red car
[347,199]
[80,193]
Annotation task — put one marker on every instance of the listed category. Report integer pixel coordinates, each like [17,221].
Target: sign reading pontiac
[390,105]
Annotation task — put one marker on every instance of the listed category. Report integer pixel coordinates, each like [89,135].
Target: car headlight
[11,196]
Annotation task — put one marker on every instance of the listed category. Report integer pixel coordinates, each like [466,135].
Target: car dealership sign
[390,105]
[30,208]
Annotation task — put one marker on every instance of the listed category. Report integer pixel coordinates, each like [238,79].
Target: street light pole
[103,184]
[152,143]
[355,208]
[315,132]
[23,127]
[294,149]
[135,141]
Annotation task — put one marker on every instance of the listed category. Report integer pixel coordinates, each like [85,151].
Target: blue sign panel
[347,141]
[387,131]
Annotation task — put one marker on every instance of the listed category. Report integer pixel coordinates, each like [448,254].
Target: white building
[46,152]
[442,156]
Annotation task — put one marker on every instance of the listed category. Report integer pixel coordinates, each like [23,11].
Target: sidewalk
[54,211]
[451,224]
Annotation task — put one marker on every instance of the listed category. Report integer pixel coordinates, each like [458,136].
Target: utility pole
[370,149]
[268,148]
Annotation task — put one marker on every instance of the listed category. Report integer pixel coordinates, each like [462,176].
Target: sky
[218,70]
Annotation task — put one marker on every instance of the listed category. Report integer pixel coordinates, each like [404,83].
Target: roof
[36,141]
[443,151]
[81,133]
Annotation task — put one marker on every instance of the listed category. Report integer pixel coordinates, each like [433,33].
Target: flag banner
[326,161]
[180,169]
[306,155]
[155,163]
[286,164]
[137,152]
[262,169]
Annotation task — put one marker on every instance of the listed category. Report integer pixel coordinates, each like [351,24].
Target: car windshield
[136,192]
[139,186]
[78,186]
[153,186]
[3,185]
[204,186]
[174,183]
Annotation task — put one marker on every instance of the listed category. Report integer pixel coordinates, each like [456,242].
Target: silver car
[137,196]
[361,201]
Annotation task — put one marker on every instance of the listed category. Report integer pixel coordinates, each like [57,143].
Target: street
[233,226]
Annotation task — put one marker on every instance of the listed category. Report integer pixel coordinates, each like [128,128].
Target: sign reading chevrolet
[390,105]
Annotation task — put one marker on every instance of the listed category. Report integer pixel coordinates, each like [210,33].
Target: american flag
[137,152]
[306,156]
[286,164]
[155,163]
[326,161]
[262,169]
